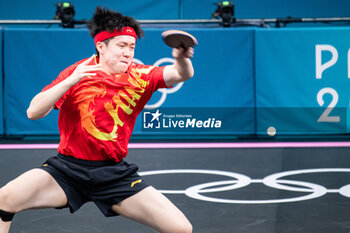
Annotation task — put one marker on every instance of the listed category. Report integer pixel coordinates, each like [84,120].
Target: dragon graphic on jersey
[97,123]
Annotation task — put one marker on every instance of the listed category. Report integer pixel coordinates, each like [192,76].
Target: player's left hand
[179,53]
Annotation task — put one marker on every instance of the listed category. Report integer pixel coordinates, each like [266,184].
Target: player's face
[118,54]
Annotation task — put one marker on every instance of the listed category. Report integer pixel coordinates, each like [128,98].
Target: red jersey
[98,114]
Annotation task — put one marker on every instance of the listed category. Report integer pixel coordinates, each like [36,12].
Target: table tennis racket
[178,38]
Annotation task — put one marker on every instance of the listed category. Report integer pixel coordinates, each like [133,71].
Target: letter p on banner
[322,67]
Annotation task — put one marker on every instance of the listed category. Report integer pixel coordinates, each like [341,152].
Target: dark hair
[108,20]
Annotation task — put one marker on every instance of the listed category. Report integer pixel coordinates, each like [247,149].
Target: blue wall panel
[224,72]
[224,75]
[290,96]
[1,83]
[267,77]
[33,59]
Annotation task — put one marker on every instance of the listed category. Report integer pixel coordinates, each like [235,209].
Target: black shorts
[103,182]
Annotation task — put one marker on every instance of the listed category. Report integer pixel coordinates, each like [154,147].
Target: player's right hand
[83,70]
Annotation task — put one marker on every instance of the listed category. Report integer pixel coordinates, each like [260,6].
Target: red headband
[104,35]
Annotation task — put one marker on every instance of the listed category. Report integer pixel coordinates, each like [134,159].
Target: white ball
[271,131]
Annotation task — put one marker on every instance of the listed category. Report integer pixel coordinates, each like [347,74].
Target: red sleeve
[156,76]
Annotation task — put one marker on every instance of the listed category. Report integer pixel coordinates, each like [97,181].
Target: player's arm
[44,102]
[182,68]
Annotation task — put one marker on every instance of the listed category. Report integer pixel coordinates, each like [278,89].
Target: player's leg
[153,209]
[33,189]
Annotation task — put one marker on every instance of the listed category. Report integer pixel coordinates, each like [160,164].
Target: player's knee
[7,211]
[7,201]
[184,227]
[188,228]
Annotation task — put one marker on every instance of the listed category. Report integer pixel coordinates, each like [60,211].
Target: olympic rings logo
[164,91]
[238,181]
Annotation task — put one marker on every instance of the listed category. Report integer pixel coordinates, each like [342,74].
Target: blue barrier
[294,80]
[223,76]
[33,59]
[302,80]
[1,82]
[224,73]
